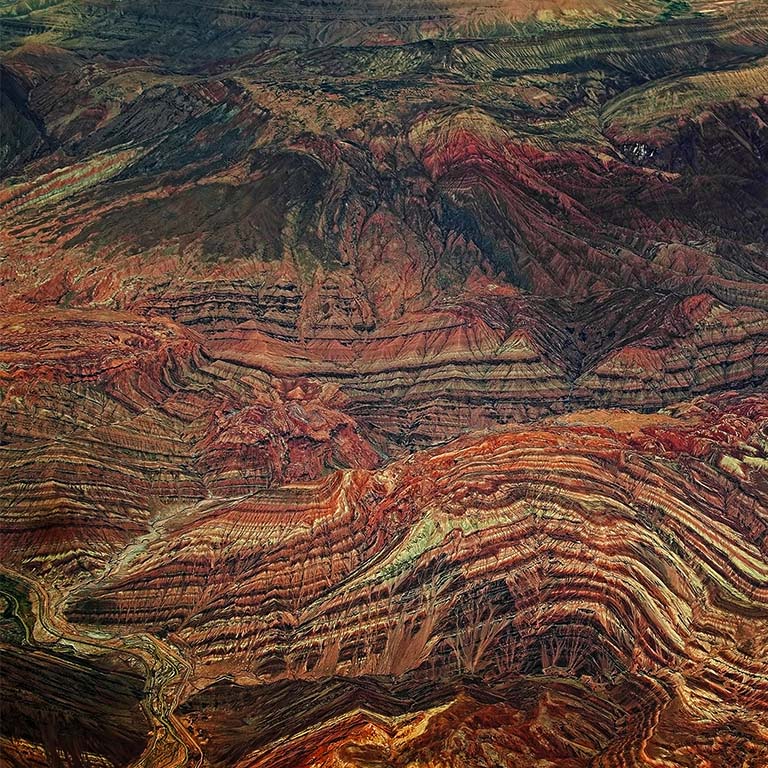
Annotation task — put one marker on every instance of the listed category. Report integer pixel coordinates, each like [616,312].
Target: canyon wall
[384,384]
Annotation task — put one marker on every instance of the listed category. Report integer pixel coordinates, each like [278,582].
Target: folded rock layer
[384,385]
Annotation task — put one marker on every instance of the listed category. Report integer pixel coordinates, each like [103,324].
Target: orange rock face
[383,385]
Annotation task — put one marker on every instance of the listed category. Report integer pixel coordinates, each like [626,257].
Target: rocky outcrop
[517,555]
[109,418]
[384,384]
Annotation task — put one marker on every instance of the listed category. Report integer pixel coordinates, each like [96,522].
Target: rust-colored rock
[383,385]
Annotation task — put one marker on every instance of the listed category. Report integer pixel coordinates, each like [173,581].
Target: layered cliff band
[383,384]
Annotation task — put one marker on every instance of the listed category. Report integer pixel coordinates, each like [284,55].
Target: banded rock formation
[384,384]
[522,554]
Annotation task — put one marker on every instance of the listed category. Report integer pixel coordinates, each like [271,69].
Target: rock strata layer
[384,385]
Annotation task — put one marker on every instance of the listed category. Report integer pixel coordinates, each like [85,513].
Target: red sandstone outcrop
[384,385]
[518,554]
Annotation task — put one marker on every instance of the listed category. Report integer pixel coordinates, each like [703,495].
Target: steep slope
[384,384]
[518,555]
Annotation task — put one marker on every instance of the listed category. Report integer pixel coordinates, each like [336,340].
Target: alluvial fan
[384,384]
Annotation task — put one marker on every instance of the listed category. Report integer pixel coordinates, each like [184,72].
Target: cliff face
[384,384]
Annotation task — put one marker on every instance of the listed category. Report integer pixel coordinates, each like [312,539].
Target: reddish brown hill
[384,384]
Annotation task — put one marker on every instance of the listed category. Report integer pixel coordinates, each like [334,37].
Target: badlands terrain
[384,384]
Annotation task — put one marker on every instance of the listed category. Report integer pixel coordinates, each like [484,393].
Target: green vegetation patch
[673,9]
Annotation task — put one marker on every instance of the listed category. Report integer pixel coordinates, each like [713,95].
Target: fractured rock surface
[384,384]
